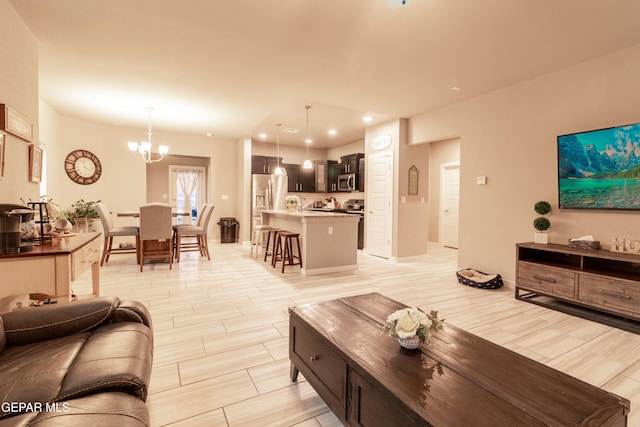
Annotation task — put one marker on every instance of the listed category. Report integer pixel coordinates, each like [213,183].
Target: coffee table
[367,379]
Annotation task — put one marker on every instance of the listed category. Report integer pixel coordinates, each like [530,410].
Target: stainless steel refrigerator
[267,192]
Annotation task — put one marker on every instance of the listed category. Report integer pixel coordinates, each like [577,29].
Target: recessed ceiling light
[367,118]
[332,132]
[209,134]
[456,88]
[394,4]
[263,135]
[290,130]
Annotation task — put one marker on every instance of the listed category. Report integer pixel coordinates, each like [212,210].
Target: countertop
[306,214]
[56,246]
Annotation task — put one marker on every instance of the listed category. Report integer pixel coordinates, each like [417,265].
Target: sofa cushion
[33,373]
[97,410]
[43,323]
[115,357]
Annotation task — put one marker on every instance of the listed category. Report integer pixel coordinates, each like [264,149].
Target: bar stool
[272,237]
[286,249]
[259,237]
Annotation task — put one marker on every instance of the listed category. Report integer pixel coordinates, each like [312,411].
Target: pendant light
[307,163]
[278,170]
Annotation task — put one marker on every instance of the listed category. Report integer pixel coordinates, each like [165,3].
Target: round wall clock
[83,167]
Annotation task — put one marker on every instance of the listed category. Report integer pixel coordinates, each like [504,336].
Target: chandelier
[144,148]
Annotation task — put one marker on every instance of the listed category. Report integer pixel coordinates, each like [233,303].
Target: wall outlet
[225,197]
[330,230]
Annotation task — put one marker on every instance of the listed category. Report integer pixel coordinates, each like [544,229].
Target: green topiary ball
[541,224]
[542,208]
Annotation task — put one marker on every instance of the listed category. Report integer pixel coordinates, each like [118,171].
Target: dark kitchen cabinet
[264,164]
[351,163]
[326,176]
[300,180]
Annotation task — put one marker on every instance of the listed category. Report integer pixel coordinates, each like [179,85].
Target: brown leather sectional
[83,363]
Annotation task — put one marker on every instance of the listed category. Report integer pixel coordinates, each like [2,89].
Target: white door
[379,219]
[449,204]
[185,179]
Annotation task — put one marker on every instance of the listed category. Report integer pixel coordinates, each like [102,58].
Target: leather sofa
[85,363]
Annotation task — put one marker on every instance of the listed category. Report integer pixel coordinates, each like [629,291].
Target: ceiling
[236,68]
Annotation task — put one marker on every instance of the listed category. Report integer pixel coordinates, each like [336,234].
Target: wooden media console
[598,285]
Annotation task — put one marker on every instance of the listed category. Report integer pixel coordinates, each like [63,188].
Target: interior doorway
[187,191]
[449,204]
[379,210]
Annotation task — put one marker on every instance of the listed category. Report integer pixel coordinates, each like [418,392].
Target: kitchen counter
[328,240]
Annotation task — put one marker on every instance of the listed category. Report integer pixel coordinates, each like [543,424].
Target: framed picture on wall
[413,181]
[35,163]
[3,142]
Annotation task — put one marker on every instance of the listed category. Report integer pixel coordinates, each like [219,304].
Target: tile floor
[221,332]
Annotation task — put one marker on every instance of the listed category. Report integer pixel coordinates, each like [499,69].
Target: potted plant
[83,214]
[292,202]
[541,223]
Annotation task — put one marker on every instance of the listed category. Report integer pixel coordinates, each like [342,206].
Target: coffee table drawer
[323,363]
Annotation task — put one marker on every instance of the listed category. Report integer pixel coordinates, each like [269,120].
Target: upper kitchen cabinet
[327,176]
[264,164]
[300,180]
[351,163]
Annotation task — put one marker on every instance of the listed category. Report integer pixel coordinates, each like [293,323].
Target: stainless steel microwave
[347,182]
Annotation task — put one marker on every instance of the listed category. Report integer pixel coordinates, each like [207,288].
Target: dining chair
[197,231]
[110,231]
[156,234]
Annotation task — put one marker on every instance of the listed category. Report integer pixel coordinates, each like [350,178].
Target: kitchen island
[328,240]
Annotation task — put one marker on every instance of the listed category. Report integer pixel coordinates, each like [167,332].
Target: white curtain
[188,181]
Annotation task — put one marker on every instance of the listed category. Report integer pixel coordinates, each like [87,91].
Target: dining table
[134,214]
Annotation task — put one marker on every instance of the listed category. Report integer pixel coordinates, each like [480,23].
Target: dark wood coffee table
[367,379]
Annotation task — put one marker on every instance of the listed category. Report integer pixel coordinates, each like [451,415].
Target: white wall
[18,90]
[122,185]
[510,136]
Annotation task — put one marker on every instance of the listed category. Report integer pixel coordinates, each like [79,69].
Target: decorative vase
[292,207]
[542,238]
[53,211]
[410,343]
[62,225]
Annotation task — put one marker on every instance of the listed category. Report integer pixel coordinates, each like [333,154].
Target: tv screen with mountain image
[600,169]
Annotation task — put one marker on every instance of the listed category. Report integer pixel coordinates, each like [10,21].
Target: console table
[598,285]
[51,266]
[367,379]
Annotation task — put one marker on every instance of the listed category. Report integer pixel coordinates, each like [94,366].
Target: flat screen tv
[600,169]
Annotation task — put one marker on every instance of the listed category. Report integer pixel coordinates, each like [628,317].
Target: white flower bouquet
[412,326]
[292,200]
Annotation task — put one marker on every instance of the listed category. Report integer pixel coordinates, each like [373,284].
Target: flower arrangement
[292,200]
[411,322]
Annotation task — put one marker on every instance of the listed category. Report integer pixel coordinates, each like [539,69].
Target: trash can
[227,229]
